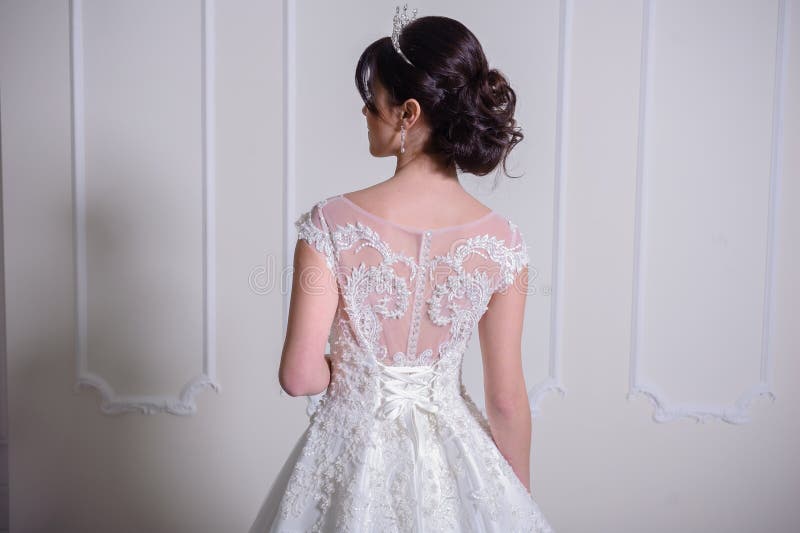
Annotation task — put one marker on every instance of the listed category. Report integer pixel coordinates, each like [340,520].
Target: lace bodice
[410,295]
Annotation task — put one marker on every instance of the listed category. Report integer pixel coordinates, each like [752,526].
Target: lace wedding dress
[396,444]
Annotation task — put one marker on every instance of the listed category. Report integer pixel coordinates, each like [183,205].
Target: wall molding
[182,403]
[667,409]
[553,381]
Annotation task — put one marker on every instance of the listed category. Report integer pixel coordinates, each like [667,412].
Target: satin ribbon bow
[406,386]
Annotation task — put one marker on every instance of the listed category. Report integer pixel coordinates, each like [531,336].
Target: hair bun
[469,107]
[480,127]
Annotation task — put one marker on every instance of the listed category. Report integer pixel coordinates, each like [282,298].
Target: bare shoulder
[372,194]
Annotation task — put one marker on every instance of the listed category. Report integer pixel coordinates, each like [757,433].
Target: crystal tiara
[400,22]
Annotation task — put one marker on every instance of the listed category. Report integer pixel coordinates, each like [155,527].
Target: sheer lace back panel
[410,296]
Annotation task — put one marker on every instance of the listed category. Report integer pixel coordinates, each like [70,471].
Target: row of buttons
[415,318]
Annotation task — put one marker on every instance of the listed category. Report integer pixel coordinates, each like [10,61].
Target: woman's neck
[423,169]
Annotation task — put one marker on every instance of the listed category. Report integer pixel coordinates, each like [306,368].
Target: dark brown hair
[469,106]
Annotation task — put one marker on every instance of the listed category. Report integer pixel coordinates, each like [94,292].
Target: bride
[397,276]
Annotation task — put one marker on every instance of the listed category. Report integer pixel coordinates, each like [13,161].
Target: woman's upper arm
[500,330]
[313,303]
[500,334]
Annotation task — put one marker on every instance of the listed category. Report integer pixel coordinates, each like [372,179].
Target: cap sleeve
[313,228]
[516,257]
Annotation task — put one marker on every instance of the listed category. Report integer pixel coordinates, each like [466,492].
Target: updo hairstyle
[469,106]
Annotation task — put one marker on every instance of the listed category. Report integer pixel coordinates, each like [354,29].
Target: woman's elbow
[508,405]
[290,384]
[292,378]
[304,378]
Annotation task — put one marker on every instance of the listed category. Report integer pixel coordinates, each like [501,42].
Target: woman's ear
[411,111]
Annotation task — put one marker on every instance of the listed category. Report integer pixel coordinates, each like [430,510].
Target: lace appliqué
[318,237]
[363,281]
[474,288]
[465,294]
[422,359]
[462,299]
[514,259]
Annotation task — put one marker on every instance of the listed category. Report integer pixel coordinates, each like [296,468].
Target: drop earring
[402,139]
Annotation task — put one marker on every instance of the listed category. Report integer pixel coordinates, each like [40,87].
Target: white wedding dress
[396,444]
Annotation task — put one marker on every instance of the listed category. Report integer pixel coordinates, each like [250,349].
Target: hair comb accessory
[400,22]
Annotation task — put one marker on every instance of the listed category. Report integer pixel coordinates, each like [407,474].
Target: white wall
[702,147]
